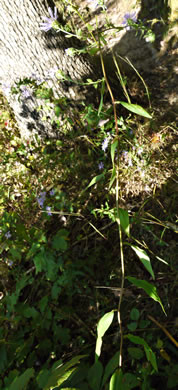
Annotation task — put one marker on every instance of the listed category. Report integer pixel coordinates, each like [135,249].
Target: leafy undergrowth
[63,235]
[60,262]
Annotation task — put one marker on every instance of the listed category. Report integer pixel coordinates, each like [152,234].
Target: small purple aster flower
[48,209]
[105,143]
[52,192]
[51,73]
[70,51]
[49,22]
[41,198]
[43,194]
[37,78]
[25,91]
[100,165]
[8,235]
[99,3]
[125,154]
[127,17]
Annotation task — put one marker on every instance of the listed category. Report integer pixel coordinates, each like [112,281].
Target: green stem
[117,209]
[122,265]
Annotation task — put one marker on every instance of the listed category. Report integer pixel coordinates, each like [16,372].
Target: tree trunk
[28,52]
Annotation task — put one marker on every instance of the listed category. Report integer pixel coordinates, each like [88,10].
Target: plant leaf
[99,343]
[148,288]
[144,258]
[114,146]
[130,381]
[21,381]
[135,353]
[151,357]
[59,372]
[134,314]
[113,177]
[40,263]
[116,380]
[95,180]
[57,110]
[42,378]
[3,357]
[136,109]
[110,367]
[124,221]
[102,94]
[94,375]
[103,325]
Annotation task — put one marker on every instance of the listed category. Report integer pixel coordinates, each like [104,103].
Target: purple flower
[127,18]
[43,194]
[48,209]
[70,51]
[99,3]
[100,165]
[52,72]
[49,22]
[8,235]
[25,91]
[125,154]
[105,143]
[37,78]
[41,198]
[52,192]
[127,158]
[6,88]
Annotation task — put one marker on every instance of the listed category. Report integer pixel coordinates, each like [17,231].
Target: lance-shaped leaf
[114,146]
[144,258]
[136,109]
[113,177]
[116,380]
[95,375]
[95,180]
[123,220]
[21,381]
[103,325]
[148,288]
[58,373]
[151,357]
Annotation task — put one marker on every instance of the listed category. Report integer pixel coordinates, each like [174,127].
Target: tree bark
[28,52]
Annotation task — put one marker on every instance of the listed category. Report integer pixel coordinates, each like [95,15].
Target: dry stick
[117,208]
[164,330]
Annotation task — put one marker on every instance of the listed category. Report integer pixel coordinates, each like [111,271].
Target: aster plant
[50,22]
